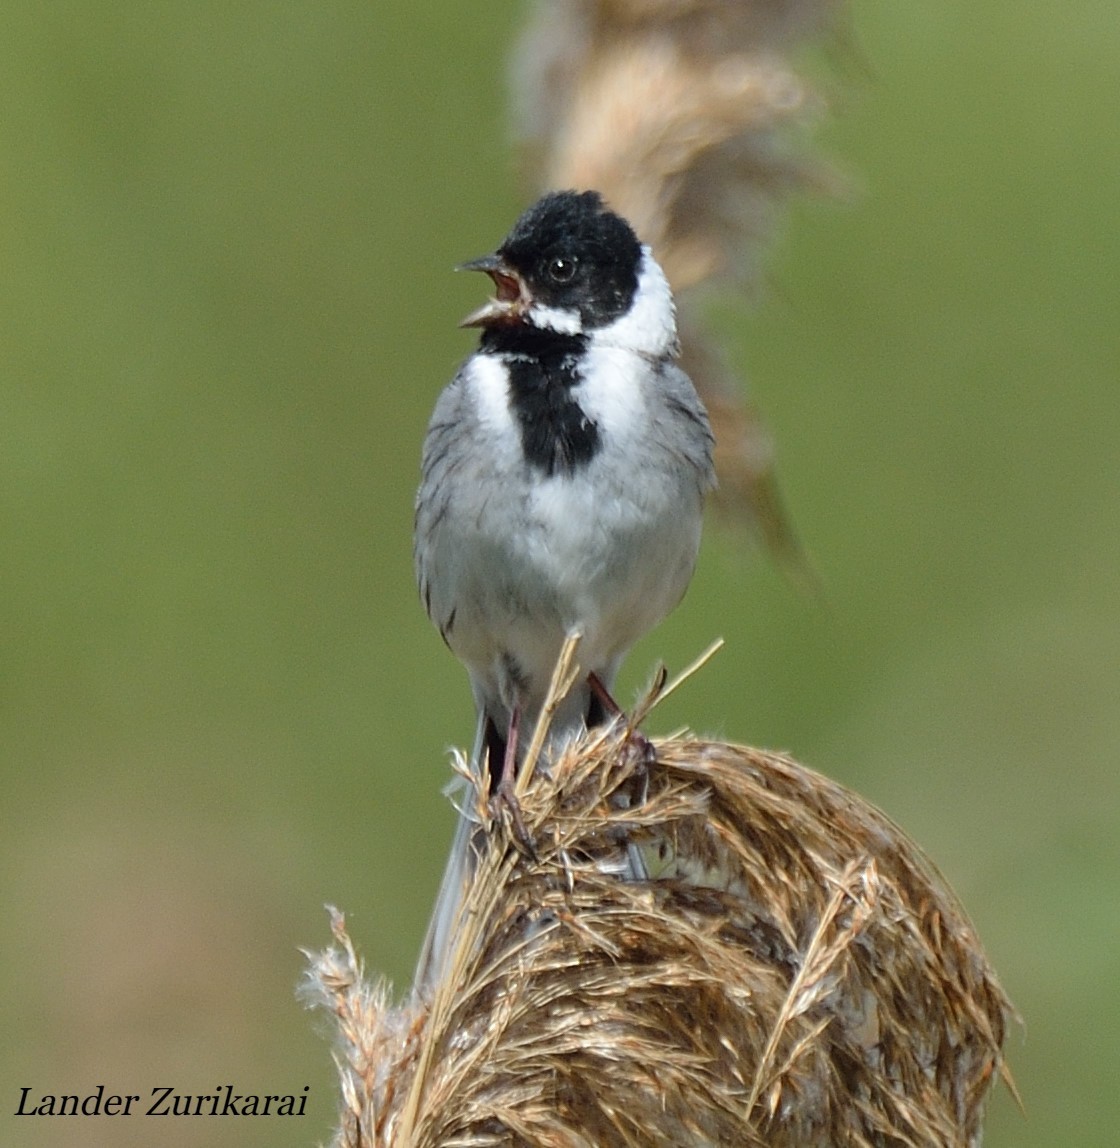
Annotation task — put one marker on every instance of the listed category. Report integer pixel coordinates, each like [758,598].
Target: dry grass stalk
[687,115]
[794,973]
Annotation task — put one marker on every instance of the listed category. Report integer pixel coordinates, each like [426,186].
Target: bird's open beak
[511,295]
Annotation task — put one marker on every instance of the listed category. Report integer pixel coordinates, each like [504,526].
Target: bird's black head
[569,265]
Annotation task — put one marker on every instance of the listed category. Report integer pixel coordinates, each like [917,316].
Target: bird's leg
[642,755]
[600,694]
[602,701]
[504,792]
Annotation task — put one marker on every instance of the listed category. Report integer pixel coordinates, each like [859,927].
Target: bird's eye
[562,268]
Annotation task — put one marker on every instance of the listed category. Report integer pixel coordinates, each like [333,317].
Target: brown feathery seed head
[795,972]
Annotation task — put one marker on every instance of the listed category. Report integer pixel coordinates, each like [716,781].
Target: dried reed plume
[687,115]
[795,972]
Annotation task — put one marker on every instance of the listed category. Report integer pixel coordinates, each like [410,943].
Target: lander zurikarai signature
[163,1102]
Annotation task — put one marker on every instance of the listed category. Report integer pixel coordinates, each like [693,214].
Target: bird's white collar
[649,327]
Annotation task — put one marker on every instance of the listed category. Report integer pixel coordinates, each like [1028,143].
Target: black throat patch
[556,435]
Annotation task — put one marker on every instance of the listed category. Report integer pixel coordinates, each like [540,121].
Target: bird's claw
[505,799]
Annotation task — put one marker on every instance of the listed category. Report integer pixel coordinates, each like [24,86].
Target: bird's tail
[457,876]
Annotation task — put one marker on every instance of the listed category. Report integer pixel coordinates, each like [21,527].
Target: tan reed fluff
[690,117]
[794,972]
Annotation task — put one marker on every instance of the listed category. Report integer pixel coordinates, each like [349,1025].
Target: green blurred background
[226,234]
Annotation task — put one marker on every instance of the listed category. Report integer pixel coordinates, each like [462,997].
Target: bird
[563,478]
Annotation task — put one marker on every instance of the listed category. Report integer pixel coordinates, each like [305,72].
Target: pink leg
[638,740]
[504,791]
